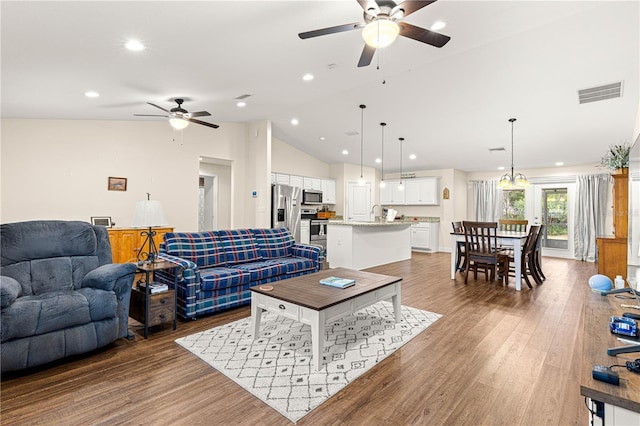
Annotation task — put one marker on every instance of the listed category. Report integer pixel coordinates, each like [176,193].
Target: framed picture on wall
[117,184]
[102,221]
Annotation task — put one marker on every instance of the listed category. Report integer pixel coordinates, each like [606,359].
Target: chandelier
[511,180]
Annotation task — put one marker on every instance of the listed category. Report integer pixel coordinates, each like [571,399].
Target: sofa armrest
[10,290]
[110,277]
[188,283]
[310,252]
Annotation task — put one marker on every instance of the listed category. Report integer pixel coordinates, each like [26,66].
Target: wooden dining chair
[482,252]
[538,254]
[461,259]
[518,225]
[528,257]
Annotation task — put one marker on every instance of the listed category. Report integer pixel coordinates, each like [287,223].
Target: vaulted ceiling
[522,59]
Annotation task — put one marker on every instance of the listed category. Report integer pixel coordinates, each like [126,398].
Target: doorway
[207,211]
[552,207]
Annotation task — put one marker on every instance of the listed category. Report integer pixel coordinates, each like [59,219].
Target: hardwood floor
[497,357]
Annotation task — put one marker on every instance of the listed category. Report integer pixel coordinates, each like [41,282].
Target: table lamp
[148,214]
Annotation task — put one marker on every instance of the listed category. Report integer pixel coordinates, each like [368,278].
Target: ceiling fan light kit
[178,123]
[511,180]
[179,118]
[380,33]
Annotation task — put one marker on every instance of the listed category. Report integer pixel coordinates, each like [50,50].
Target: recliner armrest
[105,277]
[10,290]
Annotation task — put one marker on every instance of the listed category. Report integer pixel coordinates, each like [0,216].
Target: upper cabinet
[328,191]
[419,191]
[296,181]
[282,179]
[312,183]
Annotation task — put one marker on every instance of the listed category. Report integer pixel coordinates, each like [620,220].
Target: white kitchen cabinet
[305,231]
[423,191]
[273,178]
[425,236]
[391,194]
[296,181]
[328,191]
[282,179]
[312,183]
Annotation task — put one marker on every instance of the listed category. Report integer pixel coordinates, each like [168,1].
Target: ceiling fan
[179,118]
[382,24]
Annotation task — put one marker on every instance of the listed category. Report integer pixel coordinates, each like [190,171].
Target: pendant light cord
[382,153]
[401,140]
[362,107]
[512,174]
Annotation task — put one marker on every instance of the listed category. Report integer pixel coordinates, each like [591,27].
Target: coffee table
[305,300]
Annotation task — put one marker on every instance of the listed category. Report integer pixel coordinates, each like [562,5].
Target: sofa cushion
[51,274]
[213,279]
[293,265]
[10,289]
[273,243]
[265,269]
[239,246]
[202,248]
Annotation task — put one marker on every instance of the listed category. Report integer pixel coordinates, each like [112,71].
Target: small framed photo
[117,184]
[102,221]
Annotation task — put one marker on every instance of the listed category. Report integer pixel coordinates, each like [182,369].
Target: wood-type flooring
[497,357]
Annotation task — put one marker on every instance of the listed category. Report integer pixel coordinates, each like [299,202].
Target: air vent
[352,133]
[245,96]
[600,93]
[498,149]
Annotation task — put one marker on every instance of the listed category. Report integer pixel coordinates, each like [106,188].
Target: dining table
[515,239]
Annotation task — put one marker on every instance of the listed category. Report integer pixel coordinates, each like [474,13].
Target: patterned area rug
[277,366]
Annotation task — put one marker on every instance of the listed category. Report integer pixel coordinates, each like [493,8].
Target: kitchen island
[360,245]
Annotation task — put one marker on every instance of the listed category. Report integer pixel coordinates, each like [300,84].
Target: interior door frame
[349,205]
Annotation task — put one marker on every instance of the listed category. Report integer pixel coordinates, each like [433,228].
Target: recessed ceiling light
[322,138]
[294,121]
[345,152]
[307,77]
[378,160]
[134,45]
[91,94]
[241,104]
[438,25]
[559,163]
[501,168]
[412,157]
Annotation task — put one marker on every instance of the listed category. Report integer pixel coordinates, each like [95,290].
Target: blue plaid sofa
[218,267]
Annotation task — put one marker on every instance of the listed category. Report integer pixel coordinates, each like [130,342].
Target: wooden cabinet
[612,251]
[328,191]
[127,242]
[421,192]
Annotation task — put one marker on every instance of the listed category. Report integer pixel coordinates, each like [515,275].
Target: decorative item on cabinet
[126,243]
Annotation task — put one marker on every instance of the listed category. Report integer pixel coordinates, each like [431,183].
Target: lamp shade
[380,33]
[178,123]
[149,213]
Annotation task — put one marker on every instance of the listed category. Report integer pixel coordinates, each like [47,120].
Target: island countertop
[367,224]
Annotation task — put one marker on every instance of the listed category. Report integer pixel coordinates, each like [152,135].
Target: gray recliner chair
[60,293]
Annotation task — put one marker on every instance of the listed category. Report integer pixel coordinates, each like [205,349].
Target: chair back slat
[480,238]
[518,225]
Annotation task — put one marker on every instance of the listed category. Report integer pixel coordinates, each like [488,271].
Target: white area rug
[277,366]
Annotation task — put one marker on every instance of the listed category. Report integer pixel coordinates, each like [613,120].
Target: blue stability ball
[600,283]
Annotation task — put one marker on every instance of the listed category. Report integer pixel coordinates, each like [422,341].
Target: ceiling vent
[352,133]
[245,96]
[600,93]
[499,149]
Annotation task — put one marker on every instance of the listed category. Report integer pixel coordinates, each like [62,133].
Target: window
[554,215]
[513,204]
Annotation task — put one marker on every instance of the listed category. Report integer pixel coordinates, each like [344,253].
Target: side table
[153,308]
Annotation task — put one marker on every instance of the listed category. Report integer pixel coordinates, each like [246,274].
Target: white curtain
[591,211]
[487,200]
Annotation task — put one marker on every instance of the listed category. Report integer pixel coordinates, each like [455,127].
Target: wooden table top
[504,234]
[307,291]
[596,340]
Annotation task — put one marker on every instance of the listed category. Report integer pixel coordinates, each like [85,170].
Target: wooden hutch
[612,251]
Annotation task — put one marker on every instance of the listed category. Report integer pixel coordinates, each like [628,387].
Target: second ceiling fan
[382,24]
[179,118]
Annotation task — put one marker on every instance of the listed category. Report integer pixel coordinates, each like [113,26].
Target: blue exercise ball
[600,283]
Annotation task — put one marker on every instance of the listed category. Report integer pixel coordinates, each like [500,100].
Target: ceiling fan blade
[367,55]
[410,6]
[159,107]
[423,35]
[369,6]
[150,115]
[200,114]
[331,30]
[204,123]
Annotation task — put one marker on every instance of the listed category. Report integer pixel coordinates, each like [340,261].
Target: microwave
[311,197]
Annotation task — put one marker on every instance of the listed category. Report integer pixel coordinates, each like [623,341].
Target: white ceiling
[523,59]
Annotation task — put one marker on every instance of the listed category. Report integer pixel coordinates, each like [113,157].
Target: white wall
[58,169]
[289,160]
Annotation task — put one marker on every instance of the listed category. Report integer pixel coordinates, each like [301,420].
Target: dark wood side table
[153,308]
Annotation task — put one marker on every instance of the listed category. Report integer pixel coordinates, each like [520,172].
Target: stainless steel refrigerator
[285,208]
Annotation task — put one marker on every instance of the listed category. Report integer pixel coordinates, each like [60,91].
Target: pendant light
[382,183]
[400,186]
[362,107]
[511,180]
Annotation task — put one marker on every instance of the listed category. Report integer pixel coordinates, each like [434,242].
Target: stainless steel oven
[318,232]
